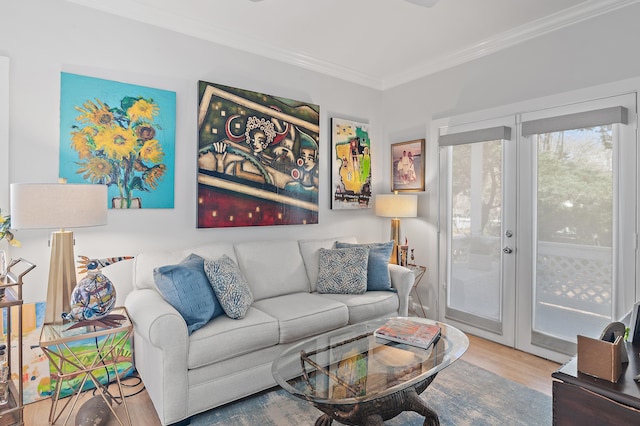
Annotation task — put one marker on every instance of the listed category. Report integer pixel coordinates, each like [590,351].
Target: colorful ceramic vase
[92,298]
[95,295]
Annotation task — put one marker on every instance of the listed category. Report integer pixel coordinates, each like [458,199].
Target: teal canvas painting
[120,135]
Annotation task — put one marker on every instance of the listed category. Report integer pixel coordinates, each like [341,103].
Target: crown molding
[559,20]
[159,17]
[237,40]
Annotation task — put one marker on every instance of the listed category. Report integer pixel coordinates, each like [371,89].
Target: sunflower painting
[120,135]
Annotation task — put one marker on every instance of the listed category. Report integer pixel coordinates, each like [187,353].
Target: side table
[418,272]
[580,399]
[75,354]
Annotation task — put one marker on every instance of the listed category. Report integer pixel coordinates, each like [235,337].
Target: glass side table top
[351,364]
[53,334]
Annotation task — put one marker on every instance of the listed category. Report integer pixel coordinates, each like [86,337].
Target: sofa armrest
[402,280]
[161,351]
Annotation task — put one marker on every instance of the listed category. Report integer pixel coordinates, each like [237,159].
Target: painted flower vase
[124,203]
[92,298]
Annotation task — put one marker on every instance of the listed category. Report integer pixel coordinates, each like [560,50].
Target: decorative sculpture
[94,296]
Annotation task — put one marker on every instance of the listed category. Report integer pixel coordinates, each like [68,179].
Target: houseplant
[6,233]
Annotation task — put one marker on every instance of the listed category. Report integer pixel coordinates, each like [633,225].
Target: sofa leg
[185,422]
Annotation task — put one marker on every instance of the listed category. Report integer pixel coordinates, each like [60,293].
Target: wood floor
[518,366]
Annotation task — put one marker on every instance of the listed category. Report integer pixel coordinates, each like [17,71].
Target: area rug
[462,394]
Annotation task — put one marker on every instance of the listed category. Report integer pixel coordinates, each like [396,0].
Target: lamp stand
[395,236]
[62,276]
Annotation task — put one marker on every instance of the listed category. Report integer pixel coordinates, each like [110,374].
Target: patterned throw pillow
[186,287]
[343,271]
[229,285]
[378,278]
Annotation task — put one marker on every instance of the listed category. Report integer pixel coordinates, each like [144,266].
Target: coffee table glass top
[351,364]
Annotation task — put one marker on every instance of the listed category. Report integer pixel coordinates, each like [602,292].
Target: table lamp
[396,206]
[58,205]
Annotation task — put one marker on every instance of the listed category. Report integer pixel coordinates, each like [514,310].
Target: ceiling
[376,43]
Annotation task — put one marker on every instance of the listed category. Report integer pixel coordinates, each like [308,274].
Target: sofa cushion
[310,249]
[303,315]
[363,307]
[225,338]
[272,268]
[343,270]
[230,287]
[146,262]
[378,277]
[186,287]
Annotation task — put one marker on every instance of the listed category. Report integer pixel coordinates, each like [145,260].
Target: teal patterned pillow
[230,286]
[343,271]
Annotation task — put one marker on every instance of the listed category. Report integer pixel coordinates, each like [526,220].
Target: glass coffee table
[356,378]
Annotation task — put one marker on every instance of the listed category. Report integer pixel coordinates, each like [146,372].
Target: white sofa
[228,359]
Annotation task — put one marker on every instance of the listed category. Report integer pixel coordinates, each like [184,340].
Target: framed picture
[120,135]
[407,166]
[258,159]
[351,165]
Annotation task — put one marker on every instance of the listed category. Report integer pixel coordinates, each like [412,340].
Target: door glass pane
[476,208]
[574,259]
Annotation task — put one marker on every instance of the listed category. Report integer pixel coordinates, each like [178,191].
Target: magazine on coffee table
[409,332]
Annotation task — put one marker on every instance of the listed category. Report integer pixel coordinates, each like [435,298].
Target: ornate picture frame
[407,166]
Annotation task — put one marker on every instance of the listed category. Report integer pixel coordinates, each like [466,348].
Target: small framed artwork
[351,165]
[407,166]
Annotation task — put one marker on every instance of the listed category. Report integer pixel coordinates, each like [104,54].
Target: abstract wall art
[257,159]
[351,165]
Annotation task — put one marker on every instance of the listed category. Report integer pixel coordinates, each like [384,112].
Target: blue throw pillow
[378,278]
[186,287]
[343,271]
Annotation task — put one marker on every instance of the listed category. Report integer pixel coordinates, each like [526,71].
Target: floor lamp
[58,205]
[396,206]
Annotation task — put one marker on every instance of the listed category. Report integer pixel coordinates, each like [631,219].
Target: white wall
[44,37]
[41,38]
[4,135]
[590,53]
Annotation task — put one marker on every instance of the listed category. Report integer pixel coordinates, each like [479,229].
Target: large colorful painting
[88,350]
[120,135]
[35,365]
[351,150]
[38,377]
[257,159]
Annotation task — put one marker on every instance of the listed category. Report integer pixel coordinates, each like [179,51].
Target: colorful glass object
[95,295]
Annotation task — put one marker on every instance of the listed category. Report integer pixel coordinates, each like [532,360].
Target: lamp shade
[57,205]
[394,205]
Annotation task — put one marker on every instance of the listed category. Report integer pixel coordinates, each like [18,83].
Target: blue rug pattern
[462,395]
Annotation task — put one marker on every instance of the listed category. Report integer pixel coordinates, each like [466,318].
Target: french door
[538,224]
[477,223]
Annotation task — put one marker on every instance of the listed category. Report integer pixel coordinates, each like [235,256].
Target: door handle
[507,250]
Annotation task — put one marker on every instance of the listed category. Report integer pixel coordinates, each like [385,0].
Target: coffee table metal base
[376,411]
